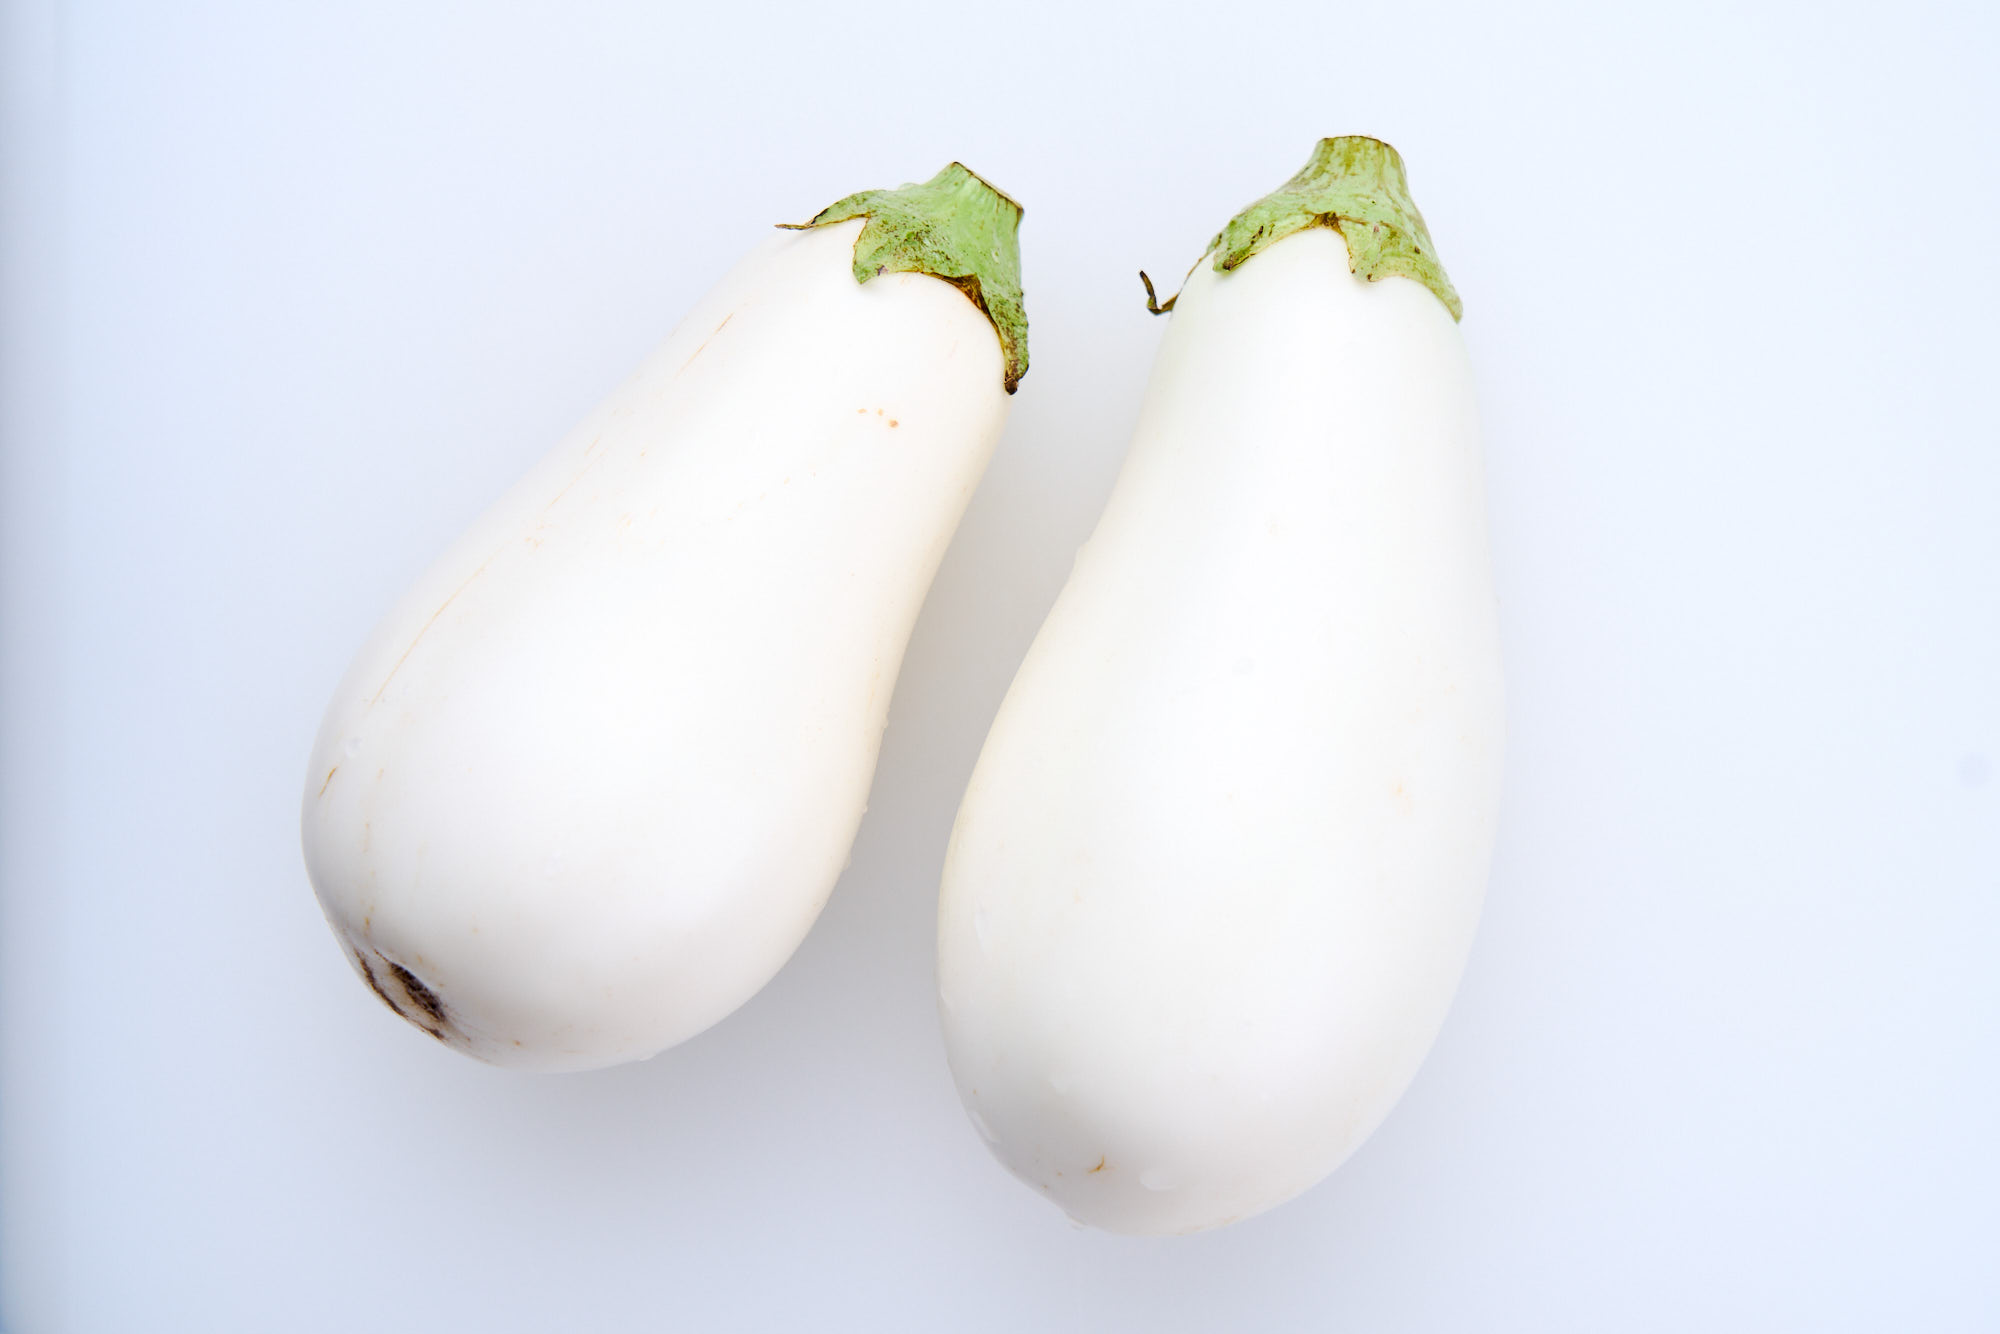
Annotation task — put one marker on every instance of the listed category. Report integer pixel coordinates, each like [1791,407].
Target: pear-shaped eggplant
[1219,865]
[589,783]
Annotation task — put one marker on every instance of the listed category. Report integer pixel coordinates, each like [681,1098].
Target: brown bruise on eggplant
[408,995]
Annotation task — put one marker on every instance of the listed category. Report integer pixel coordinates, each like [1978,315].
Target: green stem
[1356,186]
[954,227]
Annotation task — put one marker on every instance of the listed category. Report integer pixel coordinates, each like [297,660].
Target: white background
[292,292]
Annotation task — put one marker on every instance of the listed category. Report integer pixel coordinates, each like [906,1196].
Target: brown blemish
[375,984]
[329,778]
[1099,1168]
[704,342]
[892,421]
[430,1014]
[420,995]
[377,697]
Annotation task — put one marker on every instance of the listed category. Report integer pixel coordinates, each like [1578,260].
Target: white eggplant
[1218,869]
[590,782]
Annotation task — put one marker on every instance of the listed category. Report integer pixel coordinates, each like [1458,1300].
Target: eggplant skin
[1219,866]
[591,780]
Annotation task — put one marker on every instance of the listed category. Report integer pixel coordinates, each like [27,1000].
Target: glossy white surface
[292,294]
[1219,864]
[588,784]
